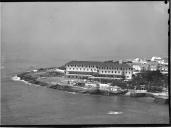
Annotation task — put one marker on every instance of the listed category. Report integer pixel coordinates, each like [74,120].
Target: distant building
[153,65]
[99,69]
[165,61]
[136,67]
[154,58]
[163,69]
[160,60]
[138,60]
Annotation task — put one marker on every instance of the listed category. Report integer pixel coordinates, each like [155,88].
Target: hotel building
[94,69]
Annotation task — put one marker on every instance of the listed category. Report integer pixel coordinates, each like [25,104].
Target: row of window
[116,68]
[104,67]
[82,69]
[82,66]
[114,72]
[95,70]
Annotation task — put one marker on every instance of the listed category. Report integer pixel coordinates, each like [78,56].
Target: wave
[71,92]
[114,112]
[16,78]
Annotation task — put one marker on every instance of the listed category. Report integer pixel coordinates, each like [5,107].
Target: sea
[26,104]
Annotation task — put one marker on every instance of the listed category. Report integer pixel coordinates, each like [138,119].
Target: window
[108,71]
[80,68]
[73,68]
[115,71]
[118,71]
[84,69]
[102,71]
[112,71]
[105,71]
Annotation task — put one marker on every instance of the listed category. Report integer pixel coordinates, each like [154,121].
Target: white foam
[16,78]
[114,112]
[71,92]
[34,70]
[26,82]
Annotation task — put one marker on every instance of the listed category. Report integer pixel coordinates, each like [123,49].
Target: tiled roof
[98,63]
[83,63]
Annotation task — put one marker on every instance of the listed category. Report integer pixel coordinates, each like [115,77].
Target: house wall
[83,68]
[101,71]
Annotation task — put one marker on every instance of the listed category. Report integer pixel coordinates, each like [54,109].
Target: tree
[119,83]
[153,80]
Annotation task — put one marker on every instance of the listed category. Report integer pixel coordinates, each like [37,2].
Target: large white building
[99,69]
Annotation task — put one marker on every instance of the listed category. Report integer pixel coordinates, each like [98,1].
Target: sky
[98,31]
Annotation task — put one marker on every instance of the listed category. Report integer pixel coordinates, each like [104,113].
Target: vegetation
[119,83]
[154,81]
[62,67]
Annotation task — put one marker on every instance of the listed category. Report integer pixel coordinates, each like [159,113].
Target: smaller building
[104,87]
[138,60]
[154,58]
[115,88]
[163,69]
[136,68]
[153,65]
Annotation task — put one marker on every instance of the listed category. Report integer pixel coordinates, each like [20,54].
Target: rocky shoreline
[33,77]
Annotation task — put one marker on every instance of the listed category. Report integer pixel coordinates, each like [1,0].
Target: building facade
[99,69]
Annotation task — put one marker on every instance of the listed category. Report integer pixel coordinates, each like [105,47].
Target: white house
[104,86]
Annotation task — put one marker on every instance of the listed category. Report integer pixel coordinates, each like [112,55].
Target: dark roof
[83,63]
[98,63]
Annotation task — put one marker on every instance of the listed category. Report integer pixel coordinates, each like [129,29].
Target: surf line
[16,78]
[114,113]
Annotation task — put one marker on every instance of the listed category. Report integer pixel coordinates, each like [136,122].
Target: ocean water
[24,104]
